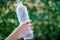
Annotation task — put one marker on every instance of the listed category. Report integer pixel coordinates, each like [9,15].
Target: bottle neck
[19,3]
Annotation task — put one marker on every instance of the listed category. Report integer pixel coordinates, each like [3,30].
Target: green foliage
[45,19]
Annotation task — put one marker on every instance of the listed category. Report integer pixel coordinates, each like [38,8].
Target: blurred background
[45,16]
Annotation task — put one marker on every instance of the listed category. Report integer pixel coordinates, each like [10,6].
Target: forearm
[14,35]
[18,33]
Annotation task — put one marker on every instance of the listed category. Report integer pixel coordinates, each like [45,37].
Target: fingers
[29,26]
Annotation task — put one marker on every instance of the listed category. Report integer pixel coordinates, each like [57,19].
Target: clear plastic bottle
[22,15]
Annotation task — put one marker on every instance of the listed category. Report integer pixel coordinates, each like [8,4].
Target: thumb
[26,22]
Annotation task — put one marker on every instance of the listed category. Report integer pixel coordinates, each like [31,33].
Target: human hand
[24,27]
[20,31]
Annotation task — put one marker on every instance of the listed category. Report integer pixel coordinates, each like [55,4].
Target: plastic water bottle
[22,15]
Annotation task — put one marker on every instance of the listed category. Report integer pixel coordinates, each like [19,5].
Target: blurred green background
[45,16]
